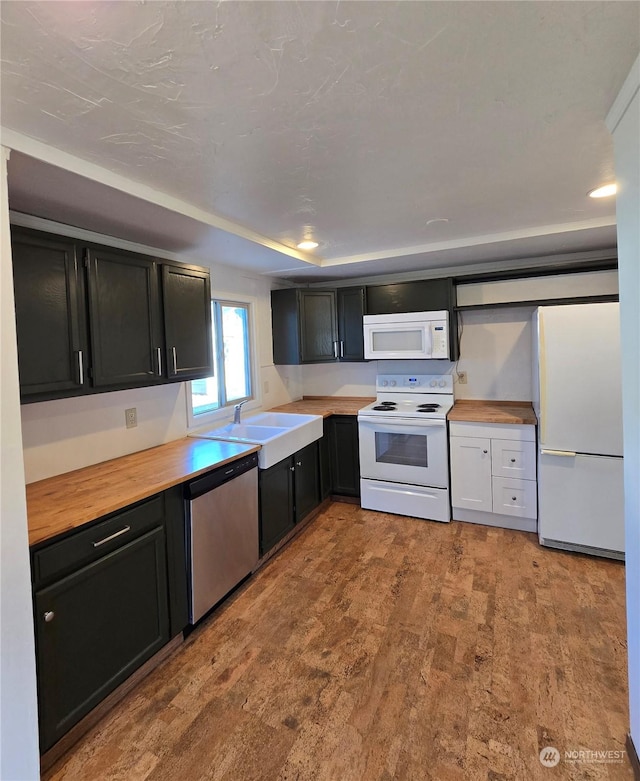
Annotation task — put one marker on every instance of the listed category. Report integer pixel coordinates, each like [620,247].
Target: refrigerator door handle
[568,453]
[542,358]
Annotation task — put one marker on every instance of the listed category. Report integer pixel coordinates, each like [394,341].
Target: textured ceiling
[407,134]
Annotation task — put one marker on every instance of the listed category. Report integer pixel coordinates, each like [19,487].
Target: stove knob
[393,383]
[442,383]
[385,383]
[433,383]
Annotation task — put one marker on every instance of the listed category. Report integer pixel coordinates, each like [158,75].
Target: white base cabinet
[493,474]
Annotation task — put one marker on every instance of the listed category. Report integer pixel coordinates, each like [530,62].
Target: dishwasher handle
[219,476]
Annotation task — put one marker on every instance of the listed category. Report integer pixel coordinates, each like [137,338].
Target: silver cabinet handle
[335,349]
[80,368]
[298,463]
[49,616]
[112,537]
[292,468]
[159,354]
[175,360]
[342,349]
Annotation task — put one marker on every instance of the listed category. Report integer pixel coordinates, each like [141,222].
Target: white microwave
[407,335]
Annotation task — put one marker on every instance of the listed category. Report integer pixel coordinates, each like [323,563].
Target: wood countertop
[327,405]
[59,504]
[481,411]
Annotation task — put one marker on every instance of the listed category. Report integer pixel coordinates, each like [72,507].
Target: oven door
[404,451]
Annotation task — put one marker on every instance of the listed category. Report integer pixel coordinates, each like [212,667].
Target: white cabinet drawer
[514,497]
[513,459]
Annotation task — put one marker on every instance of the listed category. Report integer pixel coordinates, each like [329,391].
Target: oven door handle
[416,424]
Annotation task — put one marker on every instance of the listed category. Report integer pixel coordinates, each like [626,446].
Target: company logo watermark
[550,756]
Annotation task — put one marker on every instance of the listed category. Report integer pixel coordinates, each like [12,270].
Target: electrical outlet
[131,417]
[462,378]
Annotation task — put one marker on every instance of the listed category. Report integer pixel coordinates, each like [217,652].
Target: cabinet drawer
[513,459]
[514,497]
[101,538]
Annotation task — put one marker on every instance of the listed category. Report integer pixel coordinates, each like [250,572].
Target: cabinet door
[350,330]
[187,322]
[49,317]
[95,627]
[276,503]
[471,473]
[345,457]
[124,312]
[306,480]
[424,295]
[318,326]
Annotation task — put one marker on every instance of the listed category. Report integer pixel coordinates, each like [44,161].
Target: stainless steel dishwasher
[222,528]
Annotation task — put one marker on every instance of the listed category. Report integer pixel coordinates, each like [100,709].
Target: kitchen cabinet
[92,318]
[288,492]
[124,312]
[50,316]
[101,608]
[350,301]
[344,455]
[317,326]
[493,474]
[186,297]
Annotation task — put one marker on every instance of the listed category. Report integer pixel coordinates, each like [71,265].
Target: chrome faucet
[237,410]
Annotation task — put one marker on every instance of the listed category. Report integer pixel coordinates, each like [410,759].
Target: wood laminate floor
[378,647]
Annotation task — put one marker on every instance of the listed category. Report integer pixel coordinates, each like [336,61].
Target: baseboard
[633,757]
[50,757]
[345,499]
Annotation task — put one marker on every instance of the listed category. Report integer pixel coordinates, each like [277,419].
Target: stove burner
[428,407]
[425,410]
[388,403]
[386,407]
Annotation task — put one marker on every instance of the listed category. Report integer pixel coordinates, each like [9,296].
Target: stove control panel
[415,383]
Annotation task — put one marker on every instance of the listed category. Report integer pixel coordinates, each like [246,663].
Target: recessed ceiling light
[307,244]
[604,191]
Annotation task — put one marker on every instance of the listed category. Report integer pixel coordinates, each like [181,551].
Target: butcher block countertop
[479,411]
[62,503]
[326,405]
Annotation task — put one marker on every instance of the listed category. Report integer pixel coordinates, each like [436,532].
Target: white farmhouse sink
[279,433]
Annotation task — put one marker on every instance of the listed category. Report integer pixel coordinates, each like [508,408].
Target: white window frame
[222,414]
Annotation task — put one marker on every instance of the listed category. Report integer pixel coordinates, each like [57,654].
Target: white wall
[67,434]
[19,758]
[624,121]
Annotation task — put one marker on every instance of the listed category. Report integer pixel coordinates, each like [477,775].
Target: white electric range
[404,452]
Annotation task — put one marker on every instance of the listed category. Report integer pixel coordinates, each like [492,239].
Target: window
[232,361]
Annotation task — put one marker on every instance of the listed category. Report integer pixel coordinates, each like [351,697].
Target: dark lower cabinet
[95,627]
[344,455]
[50,318]
[106,598]
[324,459]
[276,503]
[288,492]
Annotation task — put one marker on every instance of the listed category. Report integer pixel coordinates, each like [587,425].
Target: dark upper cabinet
[186,295]
[124,313]
[317,326]
[91,318]
[423,295]
[350,301]
[50,316]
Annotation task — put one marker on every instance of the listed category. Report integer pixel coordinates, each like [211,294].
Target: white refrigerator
[577,397]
